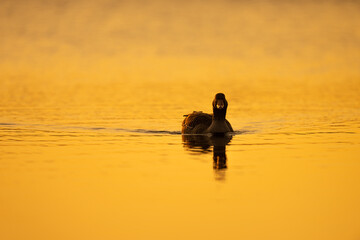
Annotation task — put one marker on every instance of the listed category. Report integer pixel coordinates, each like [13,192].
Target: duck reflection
[202,144]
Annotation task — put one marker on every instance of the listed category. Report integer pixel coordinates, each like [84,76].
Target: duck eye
[219,104]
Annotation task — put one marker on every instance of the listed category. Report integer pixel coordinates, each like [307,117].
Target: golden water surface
[93,93]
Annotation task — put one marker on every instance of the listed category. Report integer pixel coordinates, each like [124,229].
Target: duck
[198,122]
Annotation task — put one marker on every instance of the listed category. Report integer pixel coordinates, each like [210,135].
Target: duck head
[219,106]
[219,126]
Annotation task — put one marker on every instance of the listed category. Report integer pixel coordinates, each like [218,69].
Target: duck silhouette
[201,123]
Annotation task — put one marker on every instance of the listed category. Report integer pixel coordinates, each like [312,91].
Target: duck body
[201,123]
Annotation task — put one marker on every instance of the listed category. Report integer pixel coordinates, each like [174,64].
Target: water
[92,102]
[120,168]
